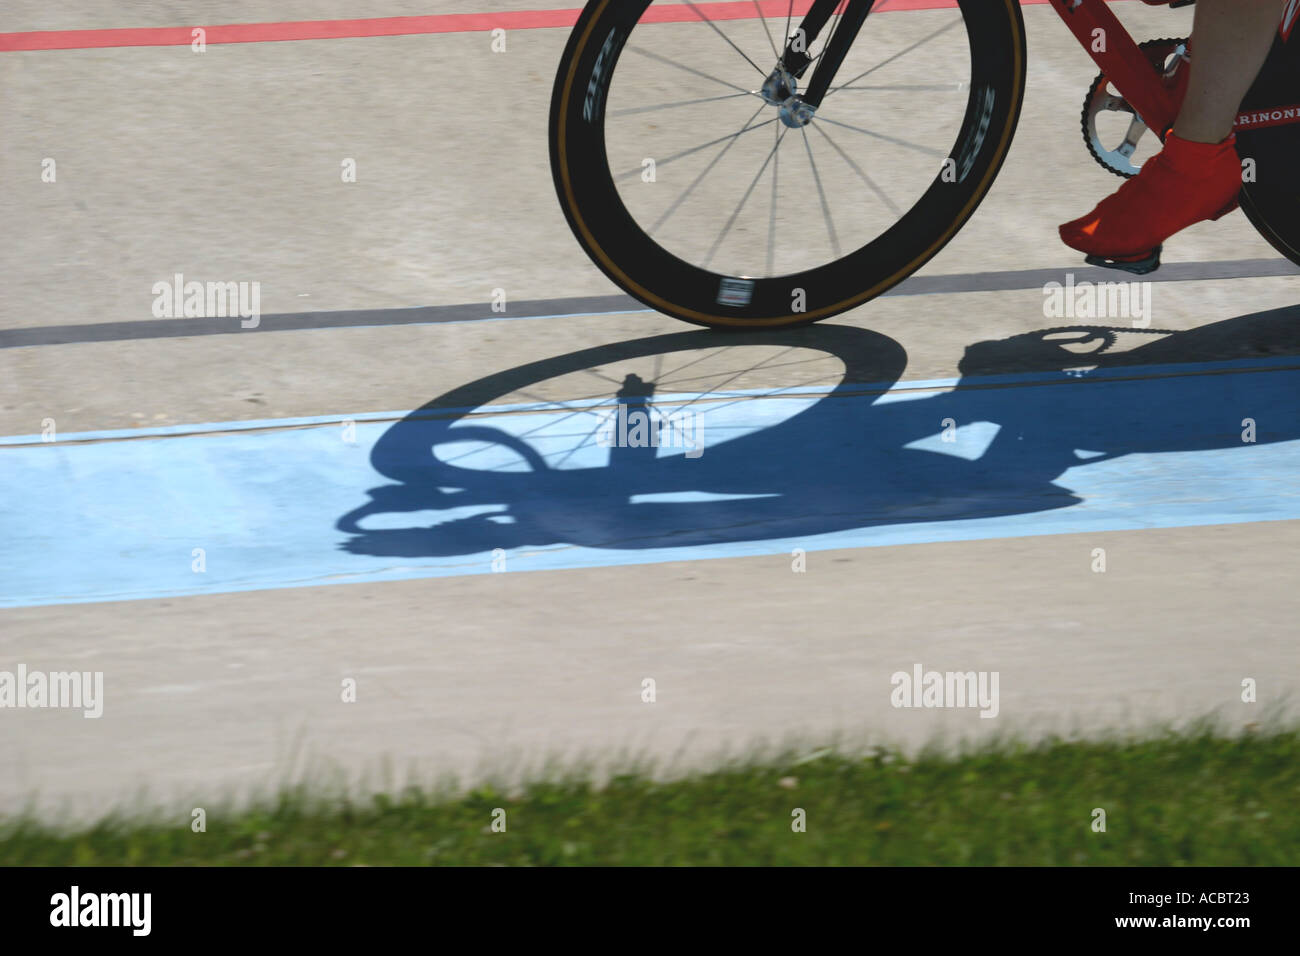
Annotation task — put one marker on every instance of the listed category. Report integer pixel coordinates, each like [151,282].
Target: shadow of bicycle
[781,463]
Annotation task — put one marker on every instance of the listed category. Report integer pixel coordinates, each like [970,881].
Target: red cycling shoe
[1184,184]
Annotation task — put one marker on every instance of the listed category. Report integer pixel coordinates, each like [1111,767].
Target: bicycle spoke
[771,219]
[689,69]
[698,179]
[821,194]
[903,52]
[705,213]
[744,199]
[668,106]
[871,183]
[910,87]
[695,149]
[718,31]
[889,139]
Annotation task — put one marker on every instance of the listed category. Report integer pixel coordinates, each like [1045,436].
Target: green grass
[1196,799]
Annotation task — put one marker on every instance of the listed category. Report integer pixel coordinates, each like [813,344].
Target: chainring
[1166,54]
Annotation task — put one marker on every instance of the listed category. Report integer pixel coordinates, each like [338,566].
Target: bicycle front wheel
[690,180]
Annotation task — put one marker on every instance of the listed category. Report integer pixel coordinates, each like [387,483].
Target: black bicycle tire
[612,239]
[1281,230]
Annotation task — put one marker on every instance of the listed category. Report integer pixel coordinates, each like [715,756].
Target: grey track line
[1000,281]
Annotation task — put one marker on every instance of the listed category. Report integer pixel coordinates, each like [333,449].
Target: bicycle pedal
[1140,266]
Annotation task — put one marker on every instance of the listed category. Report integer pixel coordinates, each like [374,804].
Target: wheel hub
[781,89]
[779,86]
[795,113]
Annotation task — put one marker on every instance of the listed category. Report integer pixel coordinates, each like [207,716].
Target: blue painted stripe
[94,518]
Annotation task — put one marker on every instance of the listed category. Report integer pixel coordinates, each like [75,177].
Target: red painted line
[404,26]
[294,30]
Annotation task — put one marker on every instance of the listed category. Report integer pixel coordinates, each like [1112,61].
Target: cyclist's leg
[1197,175]
[1232,40]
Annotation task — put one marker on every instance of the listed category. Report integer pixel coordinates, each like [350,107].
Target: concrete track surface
[231,523]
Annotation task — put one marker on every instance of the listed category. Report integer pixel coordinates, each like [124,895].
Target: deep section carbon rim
[690,183]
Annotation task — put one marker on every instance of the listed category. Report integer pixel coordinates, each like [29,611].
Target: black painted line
[1004,281]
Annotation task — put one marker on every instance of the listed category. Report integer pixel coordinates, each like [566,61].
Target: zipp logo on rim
[976,142]
[595,86]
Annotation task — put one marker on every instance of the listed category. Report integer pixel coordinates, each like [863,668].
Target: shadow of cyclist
[851,458]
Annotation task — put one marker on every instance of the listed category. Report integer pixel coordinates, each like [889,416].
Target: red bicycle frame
[1098,31]
[1104,38]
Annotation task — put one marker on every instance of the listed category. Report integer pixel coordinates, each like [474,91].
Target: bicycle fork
[1093,24]
[781,87]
